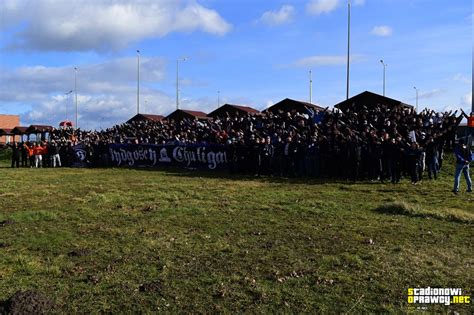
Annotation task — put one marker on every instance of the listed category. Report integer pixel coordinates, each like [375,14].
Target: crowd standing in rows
[376,143]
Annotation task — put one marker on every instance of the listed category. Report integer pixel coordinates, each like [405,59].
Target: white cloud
[430,94]
[61,25]
[284,15]
[317,7]
[106,91]
[466,100]
[459,77]
[382,31]
[314,61]
[269,104]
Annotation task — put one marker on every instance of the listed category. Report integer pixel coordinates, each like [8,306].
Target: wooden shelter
[232,111]
[5,134]
[43,131]
[145,117]
[181,114]
[18,133]
[293,106]
[369,99]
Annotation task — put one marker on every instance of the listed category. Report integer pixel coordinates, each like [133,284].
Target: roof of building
[19,130]
[39,128]
[289,105]
[247,109]
[193,113]
[369,99]
[5,131]
[153,117]
[142,117]
[232,107]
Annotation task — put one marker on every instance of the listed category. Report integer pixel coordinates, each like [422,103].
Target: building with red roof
[232,111]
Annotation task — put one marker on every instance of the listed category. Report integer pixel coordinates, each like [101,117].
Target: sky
[248,52]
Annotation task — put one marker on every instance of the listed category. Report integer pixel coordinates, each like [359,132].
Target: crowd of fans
[364,142]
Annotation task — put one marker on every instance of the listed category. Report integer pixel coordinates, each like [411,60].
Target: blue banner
[151,155]
[80,156]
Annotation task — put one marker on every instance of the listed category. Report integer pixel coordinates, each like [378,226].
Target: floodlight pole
[218,99]
[138,81]
[384,66]
[310,87]
[416,108]
[75,91]
[67,101]
[177,81]
[348,46]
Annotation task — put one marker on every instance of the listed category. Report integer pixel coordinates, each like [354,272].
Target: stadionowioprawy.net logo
[445,296]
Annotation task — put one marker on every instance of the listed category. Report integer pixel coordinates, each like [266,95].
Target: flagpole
[348,46]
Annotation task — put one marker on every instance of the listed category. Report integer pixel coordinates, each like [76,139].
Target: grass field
[121,241]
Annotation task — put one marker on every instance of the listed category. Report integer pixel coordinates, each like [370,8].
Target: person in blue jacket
[463,158]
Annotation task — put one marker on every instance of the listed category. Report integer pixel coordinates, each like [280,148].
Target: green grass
[121,241]
[5,157]
[449,214]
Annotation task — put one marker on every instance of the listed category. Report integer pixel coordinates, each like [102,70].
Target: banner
[80,156]
[150,155]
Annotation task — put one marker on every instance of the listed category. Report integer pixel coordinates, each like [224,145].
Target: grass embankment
[117,240]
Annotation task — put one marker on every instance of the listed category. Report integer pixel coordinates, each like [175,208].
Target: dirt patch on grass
[407,209]
[27,302]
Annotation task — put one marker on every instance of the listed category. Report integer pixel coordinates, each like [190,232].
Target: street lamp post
[384,66]
[75,92]
[416,108]
[177,81]
[67,101]
[348,46]
[138,81]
